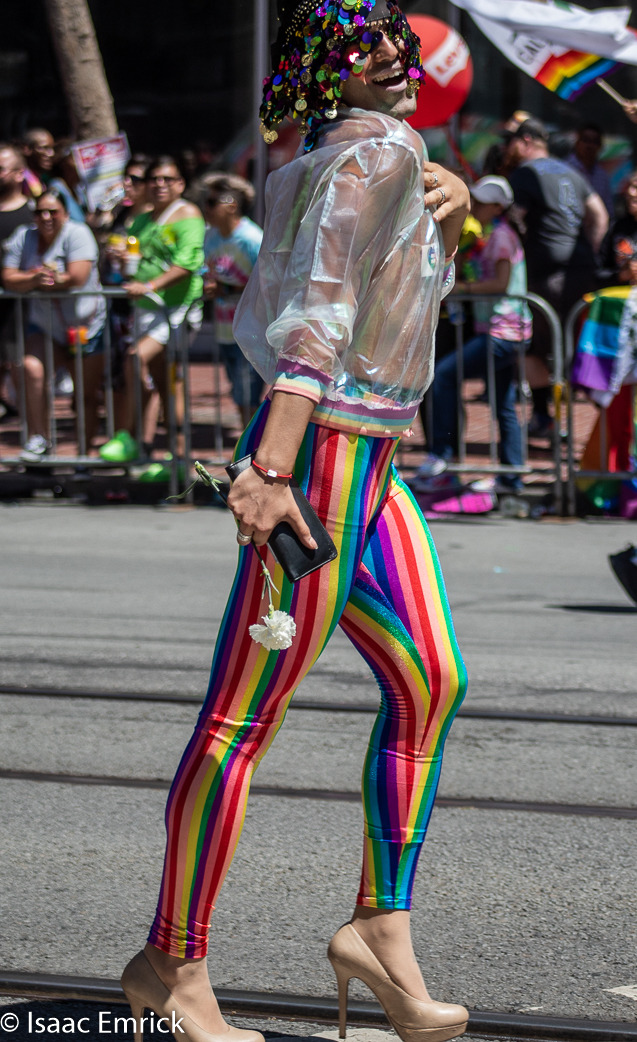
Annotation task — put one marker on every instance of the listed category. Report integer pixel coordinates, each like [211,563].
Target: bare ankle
[172,968]
[387,933]
[382,922]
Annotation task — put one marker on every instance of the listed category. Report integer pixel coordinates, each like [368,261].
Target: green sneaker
[122,448]
[160,471]
[155,472]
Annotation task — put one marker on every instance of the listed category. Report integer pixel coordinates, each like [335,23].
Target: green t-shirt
[161,246]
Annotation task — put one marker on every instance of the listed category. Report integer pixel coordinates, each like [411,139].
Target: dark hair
[56,194]
[494,159]
[591,126]
[138,159]
[30,135]
[220,185]
[158,161]
[533,128]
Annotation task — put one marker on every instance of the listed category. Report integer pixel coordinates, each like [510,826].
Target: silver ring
[435,184]
[242,538]
[442,194]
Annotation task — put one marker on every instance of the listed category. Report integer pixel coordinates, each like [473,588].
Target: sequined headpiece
[309,64]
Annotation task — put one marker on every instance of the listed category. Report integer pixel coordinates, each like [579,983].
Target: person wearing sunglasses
[231,247]
[164,293]
[135,201]
[132,205]
[57,254]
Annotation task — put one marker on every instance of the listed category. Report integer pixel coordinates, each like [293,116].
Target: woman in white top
[57,254]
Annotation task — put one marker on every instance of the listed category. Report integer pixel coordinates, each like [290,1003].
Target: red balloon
[449,70]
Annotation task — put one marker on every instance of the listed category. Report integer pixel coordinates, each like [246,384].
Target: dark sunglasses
[51,212]
[134,179]
[160,179]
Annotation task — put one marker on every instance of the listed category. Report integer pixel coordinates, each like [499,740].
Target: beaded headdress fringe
[310,64]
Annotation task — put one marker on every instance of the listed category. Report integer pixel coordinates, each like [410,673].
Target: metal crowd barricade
[176,356]
[557,381]
[573,472]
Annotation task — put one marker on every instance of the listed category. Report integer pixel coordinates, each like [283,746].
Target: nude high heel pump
[144,990]
[412,1019]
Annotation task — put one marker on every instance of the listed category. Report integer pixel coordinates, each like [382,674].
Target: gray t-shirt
[75,242]
[554,197]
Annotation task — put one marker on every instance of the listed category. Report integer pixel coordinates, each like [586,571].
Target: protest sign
[100,165]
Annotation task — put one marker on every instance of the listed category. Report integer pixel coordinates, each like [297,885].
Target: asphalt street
[513,911]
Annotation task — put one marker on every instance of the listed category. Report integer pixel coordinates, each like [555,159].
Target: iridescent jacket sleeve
[356,217]
[343,303]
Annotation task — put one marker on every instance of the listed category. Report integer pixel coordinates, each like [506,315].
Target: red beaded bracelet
[269,472]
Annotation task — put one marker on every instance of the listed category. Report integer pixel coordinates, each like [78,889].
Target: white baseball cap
[493,189]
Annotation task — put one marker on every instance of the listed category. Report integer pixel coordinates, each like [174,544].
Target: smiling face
[164,185]
[382,84]
[50,215]
[39,150]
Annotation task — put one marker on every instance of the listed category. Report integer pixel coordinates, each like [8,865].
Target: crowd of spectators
[156,245]
[538,222]
[542,223]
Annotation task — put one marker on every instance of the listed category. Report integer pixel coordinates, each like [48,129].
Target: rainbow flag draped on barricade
[562,46]
[606,352]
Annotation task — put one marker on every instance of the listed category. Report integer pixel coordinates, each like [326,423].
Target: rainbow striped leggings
[386,592]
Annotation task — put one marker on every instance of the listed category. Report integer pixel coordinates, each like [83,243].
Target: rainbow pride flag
[562,46]
[568,74]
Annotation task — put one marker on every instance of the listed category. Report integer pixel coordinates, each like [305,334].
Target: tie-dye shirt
[508,319]
[230,261]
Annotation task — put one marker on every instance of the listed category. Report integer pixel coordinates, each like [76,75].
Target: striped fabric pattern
[362,412]
[603,356]
[386,591]
[571,73]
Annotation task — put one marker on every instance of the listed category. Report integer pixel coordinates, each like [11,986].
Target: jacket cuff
[296,378]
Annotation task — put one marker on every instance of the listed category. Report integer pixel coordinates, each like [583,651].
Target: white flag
[518,27]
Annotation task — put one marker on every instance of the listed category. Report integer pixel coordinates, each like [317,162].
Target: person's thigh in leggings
[346,479]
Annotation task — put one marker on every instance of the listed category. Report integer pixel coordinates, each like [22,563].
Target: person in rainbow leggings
[339,318]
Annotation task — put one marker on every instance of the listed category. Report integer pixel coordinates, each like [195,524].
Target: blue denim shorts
[95,346]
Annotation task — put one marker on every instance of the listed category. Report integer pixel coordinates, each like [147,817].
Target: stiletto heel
[412,1019]
[342,980]
[137,1010]
[145,990]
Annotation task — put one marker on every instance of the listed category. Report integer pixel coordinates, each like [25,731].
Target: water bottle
[132,257]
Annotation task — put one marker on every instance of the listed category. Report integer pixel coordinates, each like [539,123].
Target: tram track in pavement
[328,795]
[321,1009]
[467,712]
